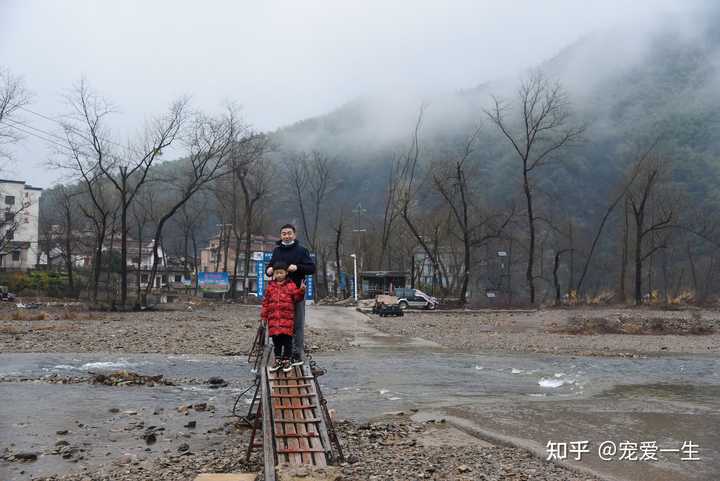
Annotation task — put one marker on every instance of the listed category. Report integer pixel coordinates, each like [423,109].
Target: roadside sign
[215,282]
[260,268]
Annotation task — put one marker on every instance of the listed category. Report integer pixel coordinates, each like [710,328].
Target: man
[300,264]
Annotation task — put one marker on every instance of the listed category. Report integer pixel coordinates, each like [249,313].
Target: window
[9,200]
[10,234]
[16,255]
[9,216]
[178,278]
[144,278]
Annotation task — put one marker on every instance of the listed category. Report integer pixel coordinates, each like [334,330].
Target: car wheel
[403,305]
[431,306]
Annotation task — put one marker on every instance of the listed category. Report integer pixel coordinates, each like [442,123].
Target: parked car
[6,295]
[408,297]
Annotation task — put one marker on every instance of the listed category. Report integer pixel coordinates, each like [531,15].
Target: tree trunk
[625,255]
[233,284]
[139,267]
[638,259]
[531,249]
[556,281]
[338,267]
[97,265]
[68,251]
[195,265]
[123,246]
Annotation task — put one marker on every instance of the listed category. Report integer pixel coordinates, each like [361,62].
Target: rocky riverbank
[578,331]
[218,329]
[389,450]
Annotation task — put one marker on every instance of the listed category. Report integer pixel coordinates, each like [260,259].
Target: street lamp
[355,284]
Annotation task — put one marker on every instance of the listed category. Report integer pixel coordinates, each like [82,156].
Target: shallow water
[506,393]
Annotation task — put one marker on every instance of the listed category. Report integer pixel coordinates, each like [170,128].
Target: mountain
[628,84]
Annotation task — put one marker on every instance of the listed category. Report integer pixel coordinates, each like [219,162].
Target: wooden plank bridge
[291,413]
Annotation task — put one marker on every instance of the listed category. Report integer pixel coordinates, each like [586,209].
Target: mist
[288,62]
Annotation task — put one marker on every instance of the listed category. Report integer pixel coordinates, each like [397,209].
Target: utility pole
[355,284]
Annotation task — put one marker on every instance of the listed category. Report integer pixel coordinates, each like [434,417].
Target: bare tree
[253,172]
[450,179]
[407,198]
[311,178]
[13,97]
[645,202]
[126,169]
[622,191]
[81,159]
[545,129]
[144,213]
[209,142]
[390,212]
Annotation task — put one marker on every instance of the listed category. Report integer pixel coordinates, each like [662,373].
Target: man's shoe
[277,365]
[296,362]
[287,367]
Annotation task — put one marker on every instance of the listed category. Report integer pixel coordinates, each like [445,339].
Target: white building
[20,205]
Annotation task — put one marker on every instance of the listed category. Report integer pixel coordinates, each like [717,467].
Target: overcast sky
[283,61]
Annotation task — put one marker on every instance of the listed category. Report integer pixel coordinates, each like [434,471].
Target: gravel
[218,329]
[546,331]
[394,450]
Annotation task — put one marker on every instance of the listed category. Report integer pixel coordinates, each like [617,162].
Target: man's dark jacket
[293,254]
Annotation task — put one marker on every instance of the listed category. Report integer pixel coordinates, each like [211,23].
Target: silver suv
[408,297]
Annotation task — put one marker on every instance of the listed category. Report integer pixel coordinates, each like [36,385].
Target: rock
[183,447]
[124,459]
[26,457]
[216,382]
[464,469]
[62,432]
[190,424]
[200,407]
[150,438]
[62,443]
[114,410]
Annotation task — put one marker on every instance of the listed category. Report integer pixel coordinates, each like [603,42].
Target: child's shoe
[287,367]
[296,361]
[277,365]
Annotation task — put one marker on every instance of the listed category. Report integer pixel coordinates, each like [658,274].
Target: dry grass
[638,326]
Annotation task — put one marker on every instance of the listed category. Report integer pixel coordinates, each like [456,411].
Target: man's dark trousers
[299,331]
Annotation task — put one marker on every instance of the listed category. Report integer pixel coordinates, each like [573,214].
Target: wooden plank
[290,395]
[296,435]
[308,450]
[294,385]
[321,444]
[293,443]
[301,427]
[306,420]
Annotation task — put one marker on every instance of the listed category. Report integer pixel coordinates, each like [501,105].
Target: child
[278,308]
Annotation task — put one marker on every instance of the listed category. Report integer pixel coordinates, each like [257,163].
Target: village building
[19,225]
[222,253]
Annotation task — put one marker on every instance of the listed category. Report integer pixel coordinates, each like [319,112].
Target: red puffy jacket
[278,306]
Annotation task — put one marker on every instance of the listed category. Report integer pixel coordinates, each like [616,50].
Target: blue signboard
[342,281]
[260,272]
[217,282]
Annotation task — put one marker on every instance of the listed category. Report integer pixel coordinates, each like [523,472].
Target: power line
[65,125]
[28,126]
[70,149]
[35,135]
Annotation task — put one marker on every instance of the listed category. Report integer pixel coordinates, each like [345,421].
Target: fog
[288,61]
